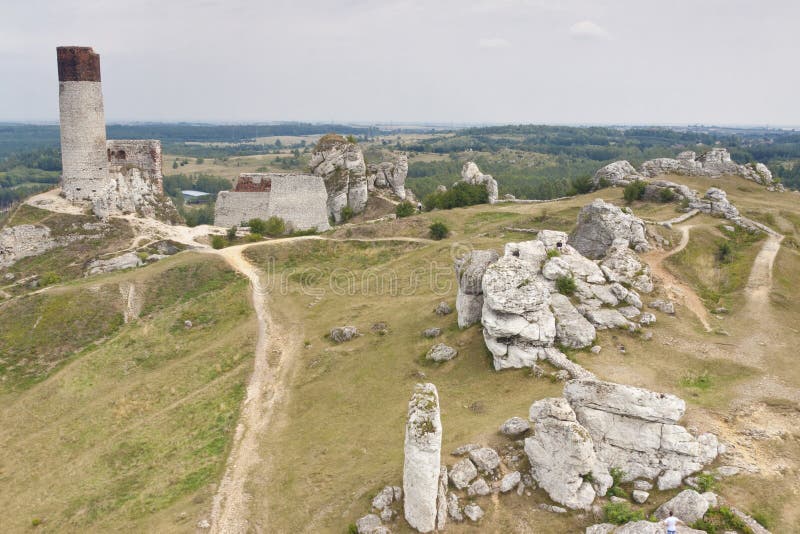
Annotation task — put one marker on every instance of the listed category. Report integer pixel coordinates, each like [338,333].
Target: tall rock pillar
[423,452]
[84,157]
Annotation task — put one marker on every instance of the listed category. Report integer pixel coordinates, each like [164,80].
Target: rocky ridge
[713,164]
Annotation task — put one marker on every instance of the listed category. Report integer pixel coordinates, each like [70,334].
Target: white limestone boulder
[562,456]
[600,223]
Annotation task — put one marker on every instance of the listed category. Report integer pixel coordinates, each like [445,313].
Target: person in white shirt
[672,523]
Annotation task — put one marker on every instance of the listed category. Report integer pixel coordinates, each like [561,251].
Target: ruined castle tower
[84,157]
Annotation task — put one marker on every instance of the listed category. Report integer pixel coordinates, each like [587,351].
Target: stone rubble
[441,353]
[340,334]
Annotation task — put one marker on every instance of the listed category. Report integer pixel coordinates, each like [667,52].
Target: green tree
[217,241]
[634,191]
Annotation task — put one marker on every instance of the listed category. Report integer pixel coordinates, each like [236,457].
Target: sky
[722,62]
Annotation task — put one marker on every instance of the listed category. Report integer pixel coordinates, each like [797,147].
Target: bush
[461,194]
[706,482]
[49,278]
[218,242]
[566,285]
[666,195]
[724,252]
[347,213]
[253,238]
[634,191]
[552,253]
[231,234]
[439,230]
[582,185]
[404,209]
[620,513]
[275,227]
[257,226]
[718,520]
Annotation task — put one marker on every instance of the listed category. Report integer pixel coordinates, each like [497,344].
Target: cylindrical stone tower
[84,158]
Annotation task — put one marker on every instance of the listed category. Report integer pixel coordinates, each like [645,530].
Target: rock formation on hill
[389,175]
[562,456]
[597,425]
[637,431]
[600,223]
[471,174]
[469,272]
[525,315]
[713,164]
[341,165]
[422,466]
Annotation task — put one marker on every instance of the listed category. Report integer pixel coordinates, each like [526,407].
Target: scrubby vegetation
[439,230]
[620,513]
[405,209]
[634,191]
[461,194]
[566,285]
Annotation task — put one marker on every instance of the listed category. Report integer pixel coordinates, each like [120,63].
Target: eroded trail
[229,511]
[676,289]
[760,281]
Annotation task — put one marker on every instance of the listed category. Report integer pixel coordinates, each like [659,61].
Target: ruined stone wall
[298,199]
[235,208]
[143,154]
[83,128]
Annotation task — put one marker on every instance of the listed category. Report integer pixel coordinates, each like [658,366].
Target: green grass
[716,279]
[132,428]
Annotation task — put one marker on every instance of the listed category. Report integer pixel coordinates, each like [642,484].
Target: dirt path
[230,506]
[760,281]
[676,289]
[265,392]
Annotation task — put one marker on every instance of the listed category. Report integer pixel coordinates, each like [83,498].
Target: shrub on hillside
[620,513]
[461,194]
[231,234]
[405,209]
[581,185]
[666,195]
[218,242]
[439,230]
[347,213]
[634,191]
[275,227]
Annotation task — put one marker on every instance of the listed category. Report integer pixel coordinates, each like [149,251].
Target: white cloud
[587,29]
[493,42]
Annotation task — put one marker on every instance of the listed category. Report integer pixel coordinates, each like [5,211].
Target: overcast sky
[462,61]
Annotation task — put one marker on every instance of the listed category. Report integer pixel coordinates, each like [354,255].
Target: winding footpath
[674,286]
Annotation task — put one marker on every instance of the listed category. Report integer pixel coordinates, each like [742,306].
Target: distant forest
[529,161]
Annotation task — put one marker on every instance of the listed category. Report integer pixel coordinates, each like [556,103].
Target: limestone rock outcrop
[713,164]
[469,272]
[618,173]
[129,260]
[524,316]
[688,506]
[600,223]
[389,175]
[22,241]
[471,174]
[341,165]
[636,430]
[422,465]
[562,456]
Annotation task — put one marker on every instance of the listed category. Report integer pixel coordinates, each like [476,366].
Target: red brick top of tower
[78,64]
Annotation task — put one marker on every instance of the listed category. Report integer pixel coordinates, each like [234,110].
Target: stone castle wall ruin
[299,199]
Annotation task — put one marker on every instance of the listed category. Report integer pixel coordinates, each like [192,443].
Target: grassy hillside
[107,426]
